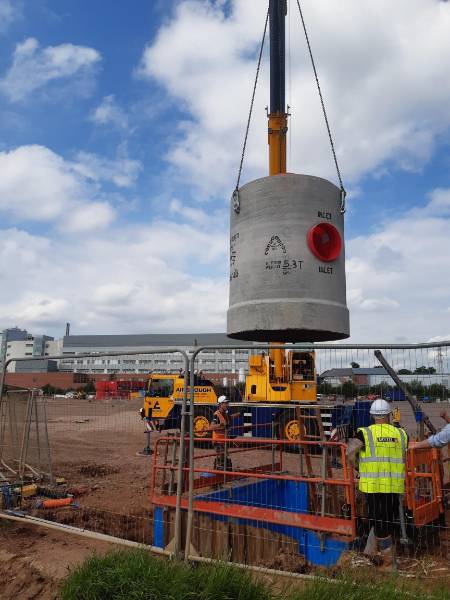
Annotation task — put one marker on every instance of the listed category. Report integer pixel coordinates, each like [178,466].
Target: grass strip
[137,575]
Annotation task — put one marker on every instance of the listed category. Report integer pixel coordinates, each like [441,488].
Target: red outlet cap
[324,241]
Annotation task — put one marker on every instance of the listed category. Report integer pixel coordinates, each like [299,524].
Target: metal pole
[277,14]
[404,536]
[38,433]
[309,346]
[177,533]
[414,405]
[324,476]
[25,436]
[190,515]
[225,459]
[173,460]
[3,409]
[273,445]
[47,440]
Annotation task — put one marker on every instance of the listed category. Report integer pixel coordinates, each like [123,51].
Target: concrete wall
[79,380]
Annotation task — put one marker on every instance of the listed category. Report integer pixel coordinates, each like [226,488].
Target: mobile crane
[267,398]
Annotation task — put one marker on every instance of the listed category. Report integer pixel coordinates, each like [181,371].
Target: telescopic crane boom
[277,115]
[277,127]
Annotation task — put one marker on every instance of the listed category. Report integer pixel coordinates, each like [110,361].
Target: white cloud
[196,216]
[125,280]
[383,74]
[41,309]
[108,112]
[8,14]
[34,67]
[439,203]
[95,215]
[398,283]
[439,338]
[122,171]
[37,184]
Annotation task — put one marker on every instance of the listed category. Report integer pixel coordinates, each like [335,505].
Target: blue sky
[121,129]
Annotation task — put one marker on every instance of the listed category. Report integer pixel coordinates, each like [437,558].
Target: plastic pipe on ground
[56,503]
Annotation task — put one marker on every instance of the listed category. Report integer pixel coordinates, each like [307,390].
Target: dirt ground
[33,560]
[95,446]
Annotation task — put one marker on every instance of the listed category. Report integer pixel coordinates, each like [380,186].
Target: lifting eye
[324,241]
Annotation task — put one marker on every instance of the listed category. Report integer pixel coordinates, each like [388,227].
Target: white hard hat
[222,399]
[380,408]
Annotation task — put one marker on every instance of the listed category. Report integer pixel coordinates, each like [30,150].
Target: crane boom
[277,127]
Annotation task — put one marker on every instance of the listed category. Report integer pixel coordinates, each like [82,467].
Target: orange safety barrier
[423,495]
[323,485]
[424,479]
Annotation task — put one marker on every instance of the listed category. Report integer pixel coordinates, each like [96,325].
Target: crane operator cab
[296,381]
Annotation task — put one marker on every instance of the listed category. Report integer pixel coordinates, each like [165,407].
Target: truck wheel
[290,430]
[203,416]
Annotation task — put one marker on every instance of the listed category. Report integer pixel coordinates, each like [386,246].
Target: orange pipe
[56,503]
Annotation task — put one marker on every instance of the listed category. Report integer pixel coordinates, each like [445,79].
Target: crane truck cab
[294,383]
[164,395]
[297,382]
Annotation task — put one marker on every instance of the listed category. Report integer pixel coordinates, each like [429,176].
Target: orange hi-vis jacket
[224,421]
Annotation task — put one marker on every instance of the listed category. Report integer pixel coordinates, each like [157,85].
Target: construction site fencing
[257,497]
[77,461]
[346,379]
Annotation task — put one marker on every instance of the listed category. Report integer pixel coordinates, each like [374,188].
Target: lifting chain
[343,192]
[235,197]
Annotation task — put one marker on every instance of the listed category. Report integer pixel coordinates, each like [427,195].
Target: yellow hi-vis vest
[382,462]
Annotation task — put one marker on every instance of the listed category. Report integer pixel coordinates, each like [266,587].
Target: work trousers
[382,511]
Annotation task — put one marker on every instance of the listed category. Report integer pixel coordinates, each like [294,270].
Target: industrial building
[218,361]
[18,343]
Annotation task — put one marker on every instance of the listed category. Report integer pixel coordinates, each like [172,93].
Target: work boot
[371,545]
[387,550]
[371,549]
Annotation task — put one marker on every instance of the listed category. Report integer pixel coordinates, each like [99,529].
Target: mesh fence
[278,491]
[306,497]
[82,449]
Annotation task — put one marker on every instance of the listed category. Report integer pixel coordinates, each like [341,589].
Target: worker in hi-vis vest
[219,427]
[381,450]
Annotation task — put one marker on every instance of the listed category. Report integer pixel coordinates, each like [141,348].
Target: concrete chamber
[287,262]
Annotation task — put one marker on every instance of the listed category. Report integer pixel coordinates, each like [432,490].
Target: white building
[226,360]
[30,346]
[6,337]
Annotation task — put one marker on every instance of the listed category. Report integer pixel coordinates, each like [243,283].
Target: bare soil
[34,560]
